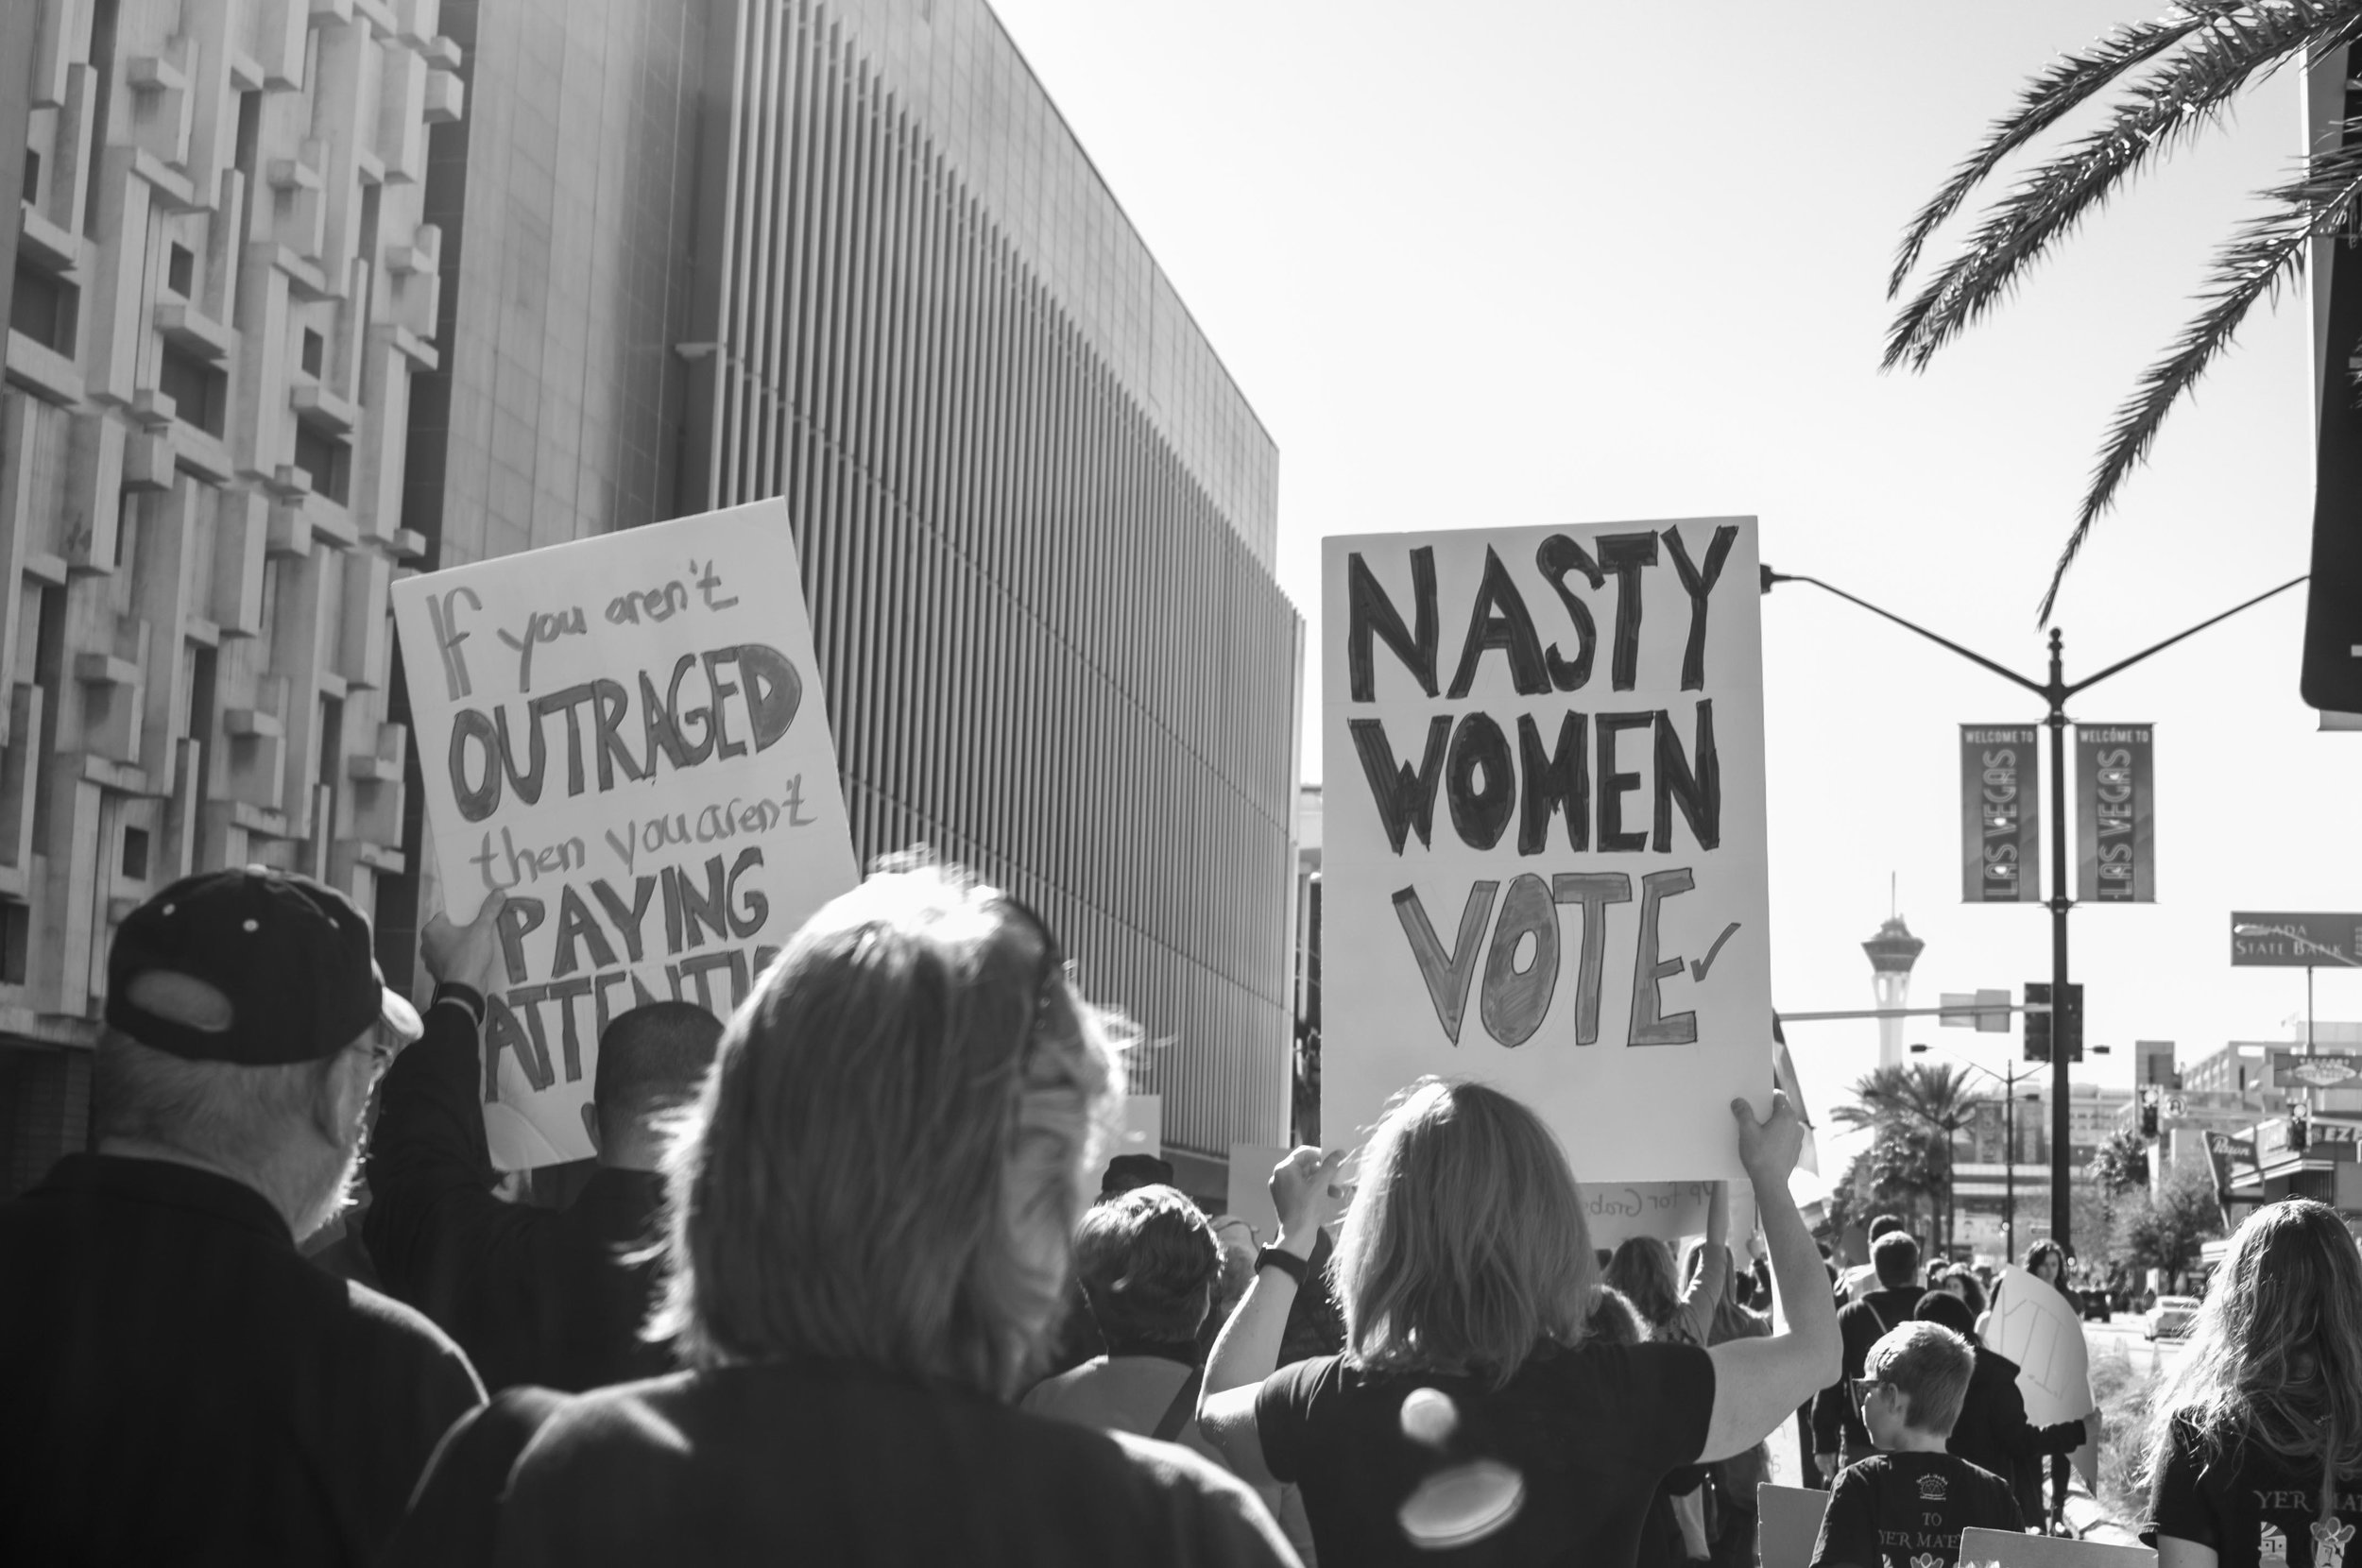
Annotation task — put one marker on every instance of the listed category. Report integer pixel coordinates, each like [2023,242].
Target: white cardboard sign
[1672,1211]
[1544,864]
[2036,1327]
[629,736]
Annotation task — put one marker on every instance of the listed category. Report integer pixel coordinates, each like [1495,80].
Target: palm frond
[2068,82]
[2265,254]
[2181,97]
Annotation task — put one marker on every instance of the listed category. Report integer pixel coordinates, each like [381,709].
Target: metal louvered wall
[1036,518]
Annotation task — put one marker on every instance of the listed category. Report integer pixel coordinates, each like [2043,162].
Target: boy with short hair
[1905,1505]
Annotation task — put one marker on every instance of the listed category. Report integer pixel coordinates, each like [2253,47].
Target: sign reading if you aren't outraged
[627,736]
[1544,861]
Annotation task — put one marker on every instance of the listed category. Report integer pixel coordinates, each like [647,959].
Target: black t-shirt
[821,1462]
[178,1385]
[1585,1435]
[1907,1510]
[2251,1505]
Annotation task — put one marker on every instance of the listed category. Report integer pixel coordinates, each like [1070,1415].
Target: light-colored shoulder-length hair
[887,1161]
[1465,1248]
[2275,1356]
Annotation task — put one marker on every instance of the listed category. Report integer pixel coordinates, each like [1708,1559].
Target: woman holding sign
[1473,1401]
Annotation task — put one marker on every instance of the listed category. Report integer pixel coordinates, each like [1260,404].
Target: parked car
[2170,1319]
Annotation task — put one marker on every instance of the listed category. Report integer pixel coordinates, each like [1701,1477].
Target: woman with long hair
[1474,1401]
[868,1222]
[2254,1449]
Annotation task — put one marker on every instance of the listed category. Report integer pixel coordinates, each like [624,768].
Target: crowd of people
[852,1282]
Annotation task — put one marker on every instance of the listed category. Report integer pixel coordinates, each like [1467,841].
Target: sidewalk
[2091,1521]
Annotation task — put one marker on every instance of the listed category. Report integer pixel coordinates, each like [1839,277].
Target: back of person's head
[887,1162]
[1881,1223]
[1642,1269]
[2275,1356]
[1930,1365]
[1464,1248]
[1965,1284]
[1943,1306]
[1148,1264]
[651,1060]
[1613,1318]
[246,1022]
[1896,1256]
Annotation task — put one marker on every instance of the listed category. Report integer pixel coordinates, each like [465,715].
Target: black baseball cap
[283,964]
[1127,1171]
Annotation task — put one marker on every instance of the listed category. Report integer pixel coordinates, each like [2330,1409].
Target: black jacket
[180,1385]
[534,1295]
[1861,1325]
[1994,1432]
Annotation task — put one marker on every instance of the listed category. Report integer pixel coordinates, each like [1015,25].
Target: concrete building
[676,254]
[223,281]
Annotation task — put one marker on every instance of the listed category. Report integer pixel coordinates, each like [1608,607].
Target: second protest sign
[1544,840]
[628,737]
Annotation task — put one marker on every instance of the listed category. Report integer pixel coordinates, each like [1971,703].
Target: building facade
[222,284]
[305,324]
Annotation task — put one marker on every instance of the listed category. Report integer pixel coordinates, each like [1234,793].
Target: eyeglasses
[1863,1387]
[381,1055]
[1054,959]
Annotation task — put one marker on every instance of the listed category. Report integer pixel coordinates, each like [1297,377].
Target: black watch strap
[465,996]
[1286,1263]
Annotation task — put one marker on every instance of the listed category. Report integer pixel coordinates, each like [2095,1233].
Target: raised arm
[1758,1382]
[1305,1190]
[431,1206]
[1704,1293]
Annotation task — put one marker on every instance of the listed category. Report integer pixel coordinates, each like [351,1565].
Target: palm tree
[2173,78]
[1918,1109]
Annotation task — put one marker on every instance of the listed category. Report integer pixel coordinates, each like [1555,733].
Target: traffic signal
[2063,1025]
[2149,1118]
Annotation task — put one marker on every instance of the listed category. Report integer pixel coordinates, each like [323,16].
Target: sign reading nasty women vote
[1544,863]
[627,737]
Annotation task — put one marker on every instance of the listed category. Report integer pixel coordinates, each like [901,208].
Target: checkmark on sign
[1698,967]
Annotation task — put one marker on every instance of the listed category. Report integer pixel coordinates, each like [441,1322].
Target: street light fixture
[2009,1152]
[2055,691]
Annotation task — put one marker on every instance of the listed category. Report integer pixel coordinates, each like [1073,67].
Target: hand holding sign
[468,955]
[1305,1190]
[1767,1148]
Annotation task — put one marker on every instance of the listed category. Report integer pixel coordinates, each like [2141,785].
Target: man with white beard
[181,1385]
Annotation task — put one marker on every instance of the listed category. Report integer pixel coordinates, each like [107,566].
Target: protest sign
[627,736]
[1670,1211]
[2034,1326]
[1544,859]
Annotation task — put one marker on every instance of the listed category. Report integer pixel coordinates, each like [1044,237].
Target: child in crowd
[2253,1450]
[1905,1505]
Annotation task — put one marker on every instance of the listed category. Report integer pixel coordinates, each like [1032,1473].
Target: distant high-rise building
[1893,952]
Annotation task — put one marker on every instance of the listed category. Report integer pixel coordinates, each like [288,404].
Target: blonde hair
[1930,1365]
[2275,1356]
[888,1158]
[1465,1248]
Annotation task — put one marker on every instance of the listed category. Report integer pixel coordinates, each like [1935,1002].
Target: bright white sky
[1514,263]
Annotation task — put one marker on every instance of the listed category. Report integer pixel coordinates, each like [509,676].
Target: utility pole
[2055,693]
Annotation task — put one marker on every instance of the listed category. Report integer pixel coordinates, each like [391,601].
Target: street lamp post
[2008,1082]
[2055,693]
